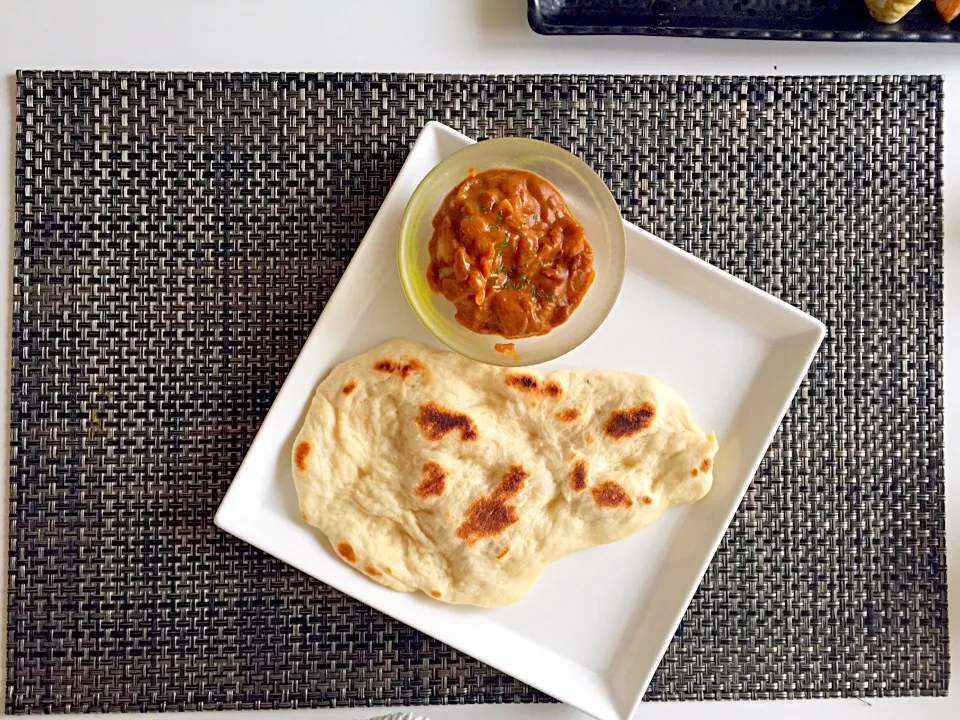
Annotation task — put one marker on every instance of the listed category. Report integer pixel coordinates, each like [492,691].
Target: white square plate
[595,626]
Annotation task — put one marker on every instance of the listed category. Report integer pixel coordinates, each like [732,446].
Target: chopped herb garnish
[504,243]
[535,217]
[468,217]
[500,268]
[522,235]
[510,219]
[499,215]
[550,296]
[484,208]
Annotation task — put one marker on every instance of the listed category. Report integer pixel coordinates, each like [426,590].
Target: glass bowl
[589,201]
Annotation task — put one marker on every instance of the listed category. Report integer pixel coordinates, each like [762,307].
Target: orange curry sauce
[507,253]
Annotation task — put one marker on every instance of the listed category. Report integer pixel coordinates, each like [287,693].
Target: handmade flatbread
[428,471]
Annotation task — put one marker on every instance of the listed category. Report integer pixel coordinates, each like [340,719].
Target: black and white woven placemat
[177,236]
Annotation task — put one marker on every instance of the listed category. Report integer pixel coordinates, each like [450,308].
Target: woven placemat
[177,237]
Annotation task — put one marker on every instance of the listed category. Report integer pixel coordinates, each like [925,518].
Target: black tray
[749,19]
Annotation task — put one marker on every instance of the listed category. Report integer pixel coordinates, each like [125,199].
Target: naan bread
[428,471]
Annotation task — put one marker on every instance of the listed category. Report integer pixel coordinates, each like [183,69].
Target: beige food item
[428,471]
[890,11]
[949,9]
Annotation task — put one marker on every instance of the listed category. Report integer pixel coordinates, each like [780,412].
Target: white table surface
[489,36]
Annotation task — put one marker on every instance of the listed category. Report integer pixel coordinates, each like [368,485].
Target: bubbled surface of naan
[428,471]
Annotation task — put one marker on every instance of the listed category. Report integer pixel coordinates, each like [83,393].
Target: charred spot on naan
[706,465]
[569,414]
[646,500]
[372,571]
[349,387]
[300,454]
[529,384]
[346,551]
[490,515]
[512,482]
[694,472]
[436,593]
[411,366]
[578,475]
[385,366]
[624,423]
[435,421]
[503,553]
[486,517]
[523,383]
[404,368]
[609,494]
[433,481]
